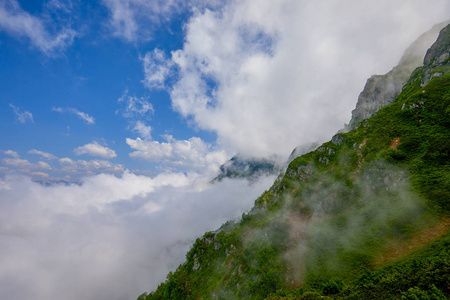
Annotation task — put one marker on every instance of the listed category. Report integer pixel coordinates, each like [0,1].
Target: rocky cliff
[381,90]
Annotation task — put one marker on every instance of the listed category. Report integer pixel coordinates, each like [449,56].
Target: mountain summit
[381,90]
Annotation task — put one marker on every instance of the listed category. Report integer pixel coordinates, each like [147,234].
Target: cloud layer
[95,149]
[56,169]
[109,237]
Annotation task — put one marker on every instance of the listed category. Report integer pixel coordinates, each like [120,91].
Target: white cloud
[143,130]
[25,165]
[12,153]
[136,19]
[64,168]
[156,68]
[40,174]
[43,165]
[89,167]
[84,116]
[17,162]
[23,117]
[45,155]
[109,237]
[192,154]
[56,5]
[266,76]
[95,149]
[136,107]
[15,21]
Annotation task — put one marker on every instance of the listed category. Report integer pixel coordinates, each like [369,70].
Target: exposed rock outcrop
[436,60]
[381,90]
[438,52]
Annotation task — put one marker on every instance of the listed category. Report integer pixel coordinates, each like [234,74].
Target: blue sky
[151,86]
[85,76]
[135,105]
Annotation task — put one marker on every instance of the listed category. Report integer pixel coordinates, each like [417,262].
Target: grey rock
[337,139]
[381,90]
[443,57]
[300,150]
[439,49]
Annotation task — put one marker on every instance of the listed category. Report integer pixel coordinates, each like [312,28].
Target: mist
[108,238]
[346,226]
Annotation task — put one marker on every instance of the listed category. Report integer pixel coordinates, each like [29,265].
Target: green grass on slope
[424,275]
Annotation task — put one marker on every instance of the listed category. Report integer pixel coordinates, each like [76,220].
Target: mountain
[248,168]
[364,216]
[381,90]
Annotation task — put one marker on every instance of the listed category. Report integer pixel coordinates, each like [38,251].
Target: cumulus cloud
[17,22]
[12,153]
[95,149]
[84,116]
[192,154]
[40,174]
[17,162]
[25,165]
[143,130]
[24,116]
[109,237]
[157,68]
[22,164]
[65,168]
[266,76]
[43,154]
[89,167]
[137,110]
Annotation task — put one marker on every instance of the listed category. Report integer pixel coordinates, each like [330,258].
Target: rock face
[378,91]
[381,90]
[436,60]
[300,150]
[438,52]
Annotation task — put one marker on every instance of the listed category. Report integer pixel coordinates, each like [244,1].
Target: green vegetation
[318,231]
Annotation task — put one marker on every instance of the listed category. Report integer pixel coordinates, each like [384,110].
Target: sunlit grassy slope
[346,221]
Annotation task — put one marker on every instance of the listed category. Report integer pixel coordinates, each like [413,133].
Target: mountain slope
[326,227]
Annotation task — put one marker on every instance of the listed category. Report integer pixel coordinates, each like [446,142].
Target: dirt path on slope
[421,239]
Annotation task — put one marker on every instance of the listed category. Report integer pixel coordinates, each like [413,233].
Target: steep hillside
[349,220]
